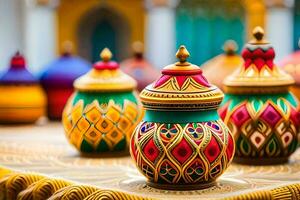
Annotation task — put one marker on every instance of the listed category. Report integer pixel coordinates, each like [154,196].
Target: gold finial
[258,33]
[138,47]
[230,47]
[182,54]
[67,47]
[106,55]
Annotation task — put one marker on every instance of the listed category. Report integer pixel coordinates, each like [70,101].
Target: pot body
[182,150]
[99,122]
[57,98]
[21,103]
[265,127]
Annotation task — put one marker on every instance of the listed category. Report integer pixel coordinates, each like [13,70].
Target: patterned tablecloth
[43,149]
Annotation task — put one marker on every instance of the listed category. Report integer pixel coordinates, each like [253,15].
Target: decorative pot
[291,64]
[139,68]
[224,64]
[102,113]
[57,80]
[181,143]
[259,109]
[22,99]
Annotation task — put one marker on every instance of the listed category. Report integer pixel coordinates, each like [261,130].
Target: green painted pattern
[104,97]
[272,148]
[258,100]
[183,117]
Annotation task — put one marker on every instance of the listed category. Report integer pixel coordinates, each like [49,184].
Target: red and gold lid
[105,76]
[258,74]
[181,86]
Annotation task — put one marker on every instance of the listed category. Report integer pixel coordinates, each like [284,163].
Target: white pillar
[10,31]
[279,28]
[160,32]
[39,34]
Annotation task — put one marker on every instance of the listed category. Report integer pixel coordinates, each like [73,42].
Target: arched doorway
[204,27]
[103,27]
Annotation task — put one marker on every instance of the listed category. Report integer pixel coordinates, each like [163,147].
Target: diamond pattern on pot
[230,148]
[168,171]
[93,114]
[271,115]
[93,136]
[247,128]
[83,124]
[257,139]
[195,132]
[212,150]
[195,170]
[287,138]
[281,128]
[104,125]
[114,136]
[182,151]
[240,115]
[263,128]
[151,151]
[124,124]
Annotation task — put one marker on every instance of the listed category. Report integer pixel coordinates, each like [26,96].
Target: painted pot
[22,99]
[181,143]
[57,80]
[139,68]
[103,111]
[291,64]
[259,109]
[223,64]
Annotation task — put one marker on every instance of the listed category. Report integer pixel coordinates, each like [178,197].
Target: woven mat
[44,149]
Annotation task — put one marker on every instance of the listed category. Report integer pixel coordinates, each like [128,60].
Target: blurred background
[39,27]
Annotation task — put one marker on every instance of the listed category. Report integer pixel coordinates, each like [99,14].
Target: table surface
[43,148]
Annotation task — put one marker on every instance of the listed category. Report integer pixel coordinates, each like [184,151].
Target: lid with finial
[291,64]
[181,86]
[219,67]
[105,76]
[17,73]
[139,67]
[61,72]
[258,74]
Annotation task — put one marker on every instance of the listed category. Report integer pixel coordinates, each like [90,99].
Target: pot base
[261,161]
[199,186]
[113,154]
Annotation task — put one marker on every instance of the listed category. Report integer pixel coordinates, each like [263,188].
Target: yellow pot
[21,103]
